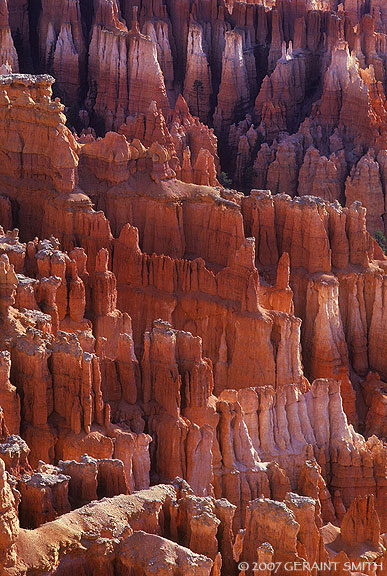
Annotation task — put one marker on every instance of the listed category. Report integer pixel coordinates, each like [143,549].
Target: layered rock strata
[160,329]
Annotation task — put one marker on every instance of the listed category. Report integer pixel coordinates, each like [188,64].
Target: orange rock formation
[192,379]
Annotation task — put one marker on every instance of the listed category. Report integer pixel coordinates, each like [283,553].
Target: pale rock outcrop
[309,540]
[276,40]
[140,549]
[124,532]
[43,498]
[9,61]
[272,522]
[282,174]
[359,539]
[92,478]
[361,523]
[234,93]
[364,185]
[19,16]
[82,475]
[62,47]
[197,83]
[323,332]
[349,92]
[169,389]
[108,66]
[321,176]
[9,523]
[375,396]
[6,220]
[145,77]
[159,32]
[8,283]
[312,484]
[14,452]
[281,94]
[377,336]
[9,398]
[109,323]
[13,248]
[250,289]
[37,123]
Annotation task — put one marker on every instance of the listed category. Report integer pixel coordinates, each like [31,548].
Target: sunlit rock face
[193,378]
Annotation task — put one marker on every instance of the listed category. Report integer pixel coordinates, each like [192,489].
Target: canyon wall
[209,364]
[192,378]
[295,92]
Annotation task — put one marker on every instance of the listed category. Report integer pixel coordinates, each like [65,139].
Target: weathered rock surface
[9,61]
[157,327]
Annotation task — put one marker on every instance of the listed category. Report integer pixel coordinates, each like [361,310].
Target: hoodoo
[193,290]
